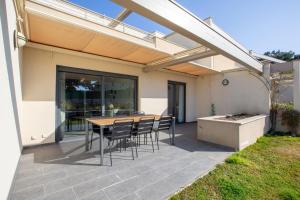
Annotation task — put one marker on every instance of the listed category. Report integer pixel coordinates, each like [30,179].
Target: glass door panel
[176,101]
[180,97]
[171,93]
[73,103]
[80,97]
[119,96]
[93,100]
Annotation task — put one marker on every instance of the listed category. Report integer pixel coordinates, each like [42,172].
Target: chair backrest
[96,129]
[165,123]
[145,125]
[122,128]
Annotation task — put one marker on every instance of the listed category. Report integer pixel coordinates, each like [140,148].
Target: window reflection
[119,96]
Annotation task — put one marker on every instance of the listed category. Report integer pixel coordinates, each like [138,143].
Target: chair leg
[125,143]
[131,148]
[151,141]
[157,138]
[146,135]
[136,144]
[170,137]
[92,140]
[110,153]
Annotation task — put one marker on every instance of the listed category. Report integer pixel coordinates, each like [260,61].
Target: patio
[66,171]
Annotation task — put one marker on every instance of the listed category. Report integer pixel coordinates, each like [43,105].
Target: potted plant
[111,110]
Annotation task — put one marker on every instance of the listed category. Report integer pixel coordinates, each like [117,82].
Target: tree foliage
[283,55]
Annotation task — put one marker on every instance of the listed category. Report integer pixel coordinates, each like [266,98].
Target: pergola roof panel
[58,34]
[190,68]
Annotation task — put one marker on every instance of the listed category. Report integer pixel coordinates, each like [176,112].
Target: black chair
[144,127]
[165,123]
[121,130]
[96,129]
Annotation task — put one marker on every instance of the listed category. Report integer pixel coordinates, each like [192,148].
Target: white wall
[244,94]
[296,88]
[39,80]
[10,92]
[285,94]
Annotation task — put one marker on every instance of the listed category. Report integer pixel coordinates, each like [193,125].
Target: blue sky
[260,25]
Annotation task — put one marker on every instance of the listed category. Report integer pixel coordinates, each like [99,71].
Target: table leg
[101,144]
[173,130]
[86,135]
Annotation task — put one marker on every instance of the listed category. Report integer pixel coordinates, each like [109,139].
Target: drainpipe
[296,88]
[267,71]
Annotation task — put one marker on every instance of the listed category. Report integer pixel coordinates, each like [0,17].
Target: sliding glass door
[84,93]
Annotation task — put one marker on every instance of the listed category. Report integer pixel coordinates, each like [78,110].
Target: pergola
[64,25]
[187,24]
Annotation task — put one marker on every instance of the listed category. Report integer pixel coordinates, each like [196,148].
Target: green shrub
[291,118]
[283,106]
[236,159]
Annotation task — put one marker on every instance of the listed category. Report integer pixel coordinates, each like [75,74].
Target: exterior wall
[282,67]
[10,90]
[285,94]
[244,94]
[221,63]
[39,84]
[296,89]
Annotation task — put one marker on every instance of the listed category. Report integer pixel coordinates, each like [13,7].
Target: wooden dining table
[104,122]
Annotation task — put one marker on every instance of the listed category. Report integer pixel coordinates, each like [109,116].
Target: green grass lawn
[269,169]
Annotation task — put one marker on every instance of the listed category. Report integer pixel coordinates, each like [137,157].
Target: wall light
[19,39]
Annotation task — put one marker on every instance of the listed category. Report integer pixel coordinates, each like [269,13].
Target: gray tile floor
[66,171]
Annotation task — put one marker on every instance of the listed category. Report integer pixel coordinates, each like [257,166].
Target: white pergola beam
[170,14]
[267,58]
[121,17]
[179,58]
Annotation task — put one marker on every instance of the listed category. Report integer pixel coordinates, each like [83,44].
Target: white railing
[95,17]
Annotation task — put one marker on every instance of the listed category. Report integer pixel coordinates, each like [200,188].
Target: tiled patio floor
[65,171]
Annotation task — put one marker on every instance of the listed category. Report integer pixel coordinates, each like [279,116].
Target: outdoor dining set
[128,130]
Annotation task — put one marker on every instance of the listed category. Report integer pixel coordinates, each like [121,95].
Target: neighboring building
[77,63]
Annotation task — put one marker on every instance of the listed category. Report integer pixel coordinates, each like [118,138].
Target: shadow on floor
[72,152]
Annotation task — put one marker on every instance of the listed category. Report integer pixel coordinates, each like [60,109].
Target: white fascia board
[267,58]
[175,17]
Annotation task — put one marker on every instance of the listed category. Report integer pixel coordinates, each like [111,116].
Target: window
[85,93]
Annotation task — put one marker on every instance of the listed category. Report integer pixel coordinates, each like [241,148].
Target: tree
[282,55]
[297,57]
